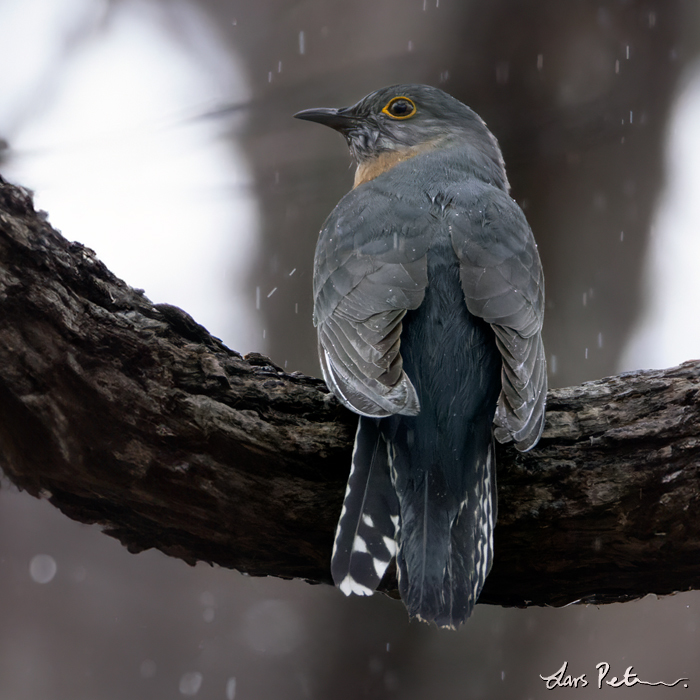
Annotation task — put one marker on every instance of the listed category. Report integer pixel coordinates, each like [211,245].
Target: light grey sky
[669,329]
[102,134]
[105,142]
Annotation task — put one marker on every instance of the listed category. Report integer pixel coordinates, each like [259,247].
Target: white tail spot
[348,586]
[390,546]
[380,566]
[359,545]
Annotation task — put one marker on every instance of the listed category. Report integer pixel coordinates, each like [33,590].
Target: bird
[428,305]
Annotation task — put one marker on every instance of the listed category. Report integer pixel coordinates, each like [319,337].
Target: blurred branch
[130,415]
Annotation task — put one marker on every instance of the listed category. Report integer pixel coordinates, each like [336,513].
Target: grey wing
[368,272]
[503,283]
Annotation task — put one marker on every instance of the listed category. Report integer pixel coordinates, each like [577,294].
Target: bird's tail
[432,505]
[447,501]
[365,540]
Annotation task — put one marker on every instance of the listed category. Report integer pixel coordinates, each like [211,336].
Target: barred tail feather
[365,540]
[471,547]
[446,537]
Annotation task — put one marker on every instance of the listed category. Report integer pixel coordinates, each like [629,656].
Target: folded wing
[503,283]
[368,273]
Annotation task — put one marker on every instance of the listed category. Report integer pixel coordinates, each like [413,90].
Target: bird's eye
[400,108]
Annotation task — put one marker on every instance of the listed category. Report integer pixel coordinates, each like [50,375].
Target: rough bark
[131,415]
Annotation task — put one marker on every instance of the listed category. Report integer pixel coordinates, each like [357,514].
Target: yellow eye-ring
[400,108]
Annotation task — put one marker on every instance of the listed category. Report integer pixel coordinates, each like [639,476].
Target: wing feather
[503,283]
[368,272]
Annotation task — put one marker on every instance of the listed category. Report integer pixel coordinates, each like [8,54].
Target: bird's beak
[338,119]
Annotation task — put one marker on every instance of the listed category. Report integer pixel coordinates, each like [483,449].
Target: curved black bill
[335,118]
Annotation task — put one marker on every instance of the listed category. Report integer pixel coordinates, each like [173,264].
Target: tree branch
[131,415]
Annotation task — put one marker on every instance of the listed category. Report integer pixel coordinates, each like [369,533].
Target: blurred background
[159,133]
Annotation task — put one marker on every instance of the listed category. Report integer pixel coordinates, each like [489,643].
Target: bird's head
[401,121]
